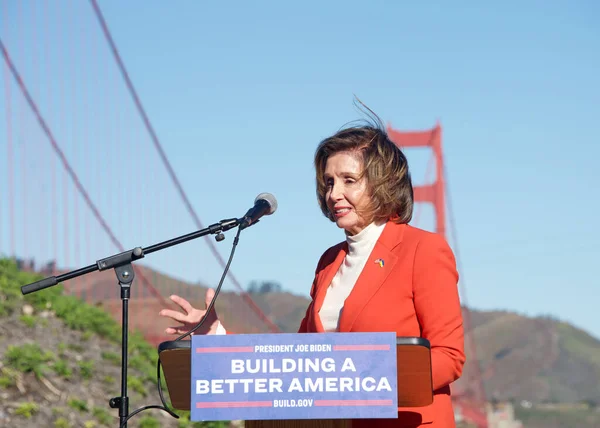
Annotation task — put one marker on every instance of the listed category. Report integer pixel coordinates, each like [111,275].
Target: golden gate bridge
[40,169]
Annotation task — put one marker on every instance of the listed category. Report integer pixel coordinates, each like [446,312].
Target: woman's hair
[385,169]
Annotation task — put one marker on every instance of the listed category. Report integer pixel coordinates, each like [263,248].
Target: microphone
[264,204]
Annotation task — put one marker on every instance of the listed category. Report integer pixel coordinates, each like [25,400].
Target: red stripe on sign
[361,347]
[225,349]
[353,402]
[226,404]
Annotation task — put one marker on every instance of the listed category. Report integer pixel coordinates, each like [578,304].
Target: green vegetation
[62,423]
[7,377]
[61,367]
[111,357]
[78,405]
[89,320]
[26,409]
[101,415]
[28,320]
[86,369]
[264,287]
[149,422]
[580,344]
[558,418]
[28,358]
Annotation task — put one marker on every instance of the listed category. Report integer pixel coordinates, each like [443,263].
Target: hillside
[101,289]
[60,363]
[538,360]
[548,368]
[533,360]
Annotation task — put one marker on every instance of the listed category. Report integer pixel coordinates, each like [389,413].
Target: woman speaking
[385,276]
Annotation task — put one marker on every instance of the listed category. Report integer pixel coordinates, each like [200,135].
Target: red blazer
[414,293]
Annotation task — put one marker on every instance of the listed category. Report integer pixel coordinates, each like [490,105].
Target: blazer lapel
[380,263]
[323,283]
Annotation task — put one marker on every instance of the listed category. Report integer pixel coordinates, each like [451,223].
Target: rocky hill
[539,360]
[549,369]
[60,363]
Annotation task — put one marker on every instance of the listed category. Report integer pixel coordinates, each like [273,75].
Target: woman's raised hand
[192,316]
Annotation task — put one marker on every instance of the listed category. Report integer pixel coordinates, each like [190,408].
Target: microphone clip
[247,222]
[229,223]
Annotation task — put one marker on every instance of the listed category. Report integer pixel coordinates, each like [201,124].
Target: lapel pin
[380,262]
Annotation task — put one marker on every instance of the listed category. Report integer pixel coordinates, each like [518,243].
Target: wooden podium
[414,381]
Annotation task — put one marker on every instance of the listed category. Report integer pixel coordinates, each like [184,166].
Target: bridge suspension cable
[171,172]
[65,163]
[480,390]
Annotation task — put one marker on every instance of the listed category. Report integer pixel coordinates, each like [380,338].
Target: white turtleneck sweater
[360,247]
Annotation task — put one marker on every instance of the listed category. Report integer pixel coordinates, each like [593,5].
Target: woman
[386,275]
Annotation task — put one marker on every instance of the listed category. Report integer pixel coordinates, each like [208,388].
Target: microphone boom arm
[126,257]
[122,264]
[265,204]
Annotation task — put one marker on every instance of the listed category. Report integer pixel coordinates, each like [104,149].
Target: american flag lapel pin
[380,262]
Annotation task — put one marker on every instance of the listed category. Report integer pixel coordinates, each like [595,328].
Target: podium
[414,381]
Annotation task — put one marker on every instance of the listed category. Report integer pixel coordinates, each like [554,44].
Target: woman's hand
[192,316]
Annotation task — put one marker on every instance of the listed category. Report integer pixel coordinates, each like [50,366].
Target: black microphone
[264,204]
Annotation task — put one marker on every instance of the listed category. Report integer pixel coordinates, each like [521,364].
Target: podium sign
[293,376]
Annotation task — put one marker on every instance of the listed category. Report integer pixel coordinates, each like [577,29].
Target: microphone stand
[121,263]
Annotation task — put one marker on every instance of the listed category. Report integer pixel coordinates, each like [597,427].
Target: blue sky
[241,94]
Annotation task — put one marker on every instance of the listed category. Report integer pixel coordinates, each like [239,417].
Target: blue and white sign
[293,376]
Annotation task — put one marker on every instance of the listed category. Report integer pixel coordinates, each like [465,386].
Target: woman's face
[346,195]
